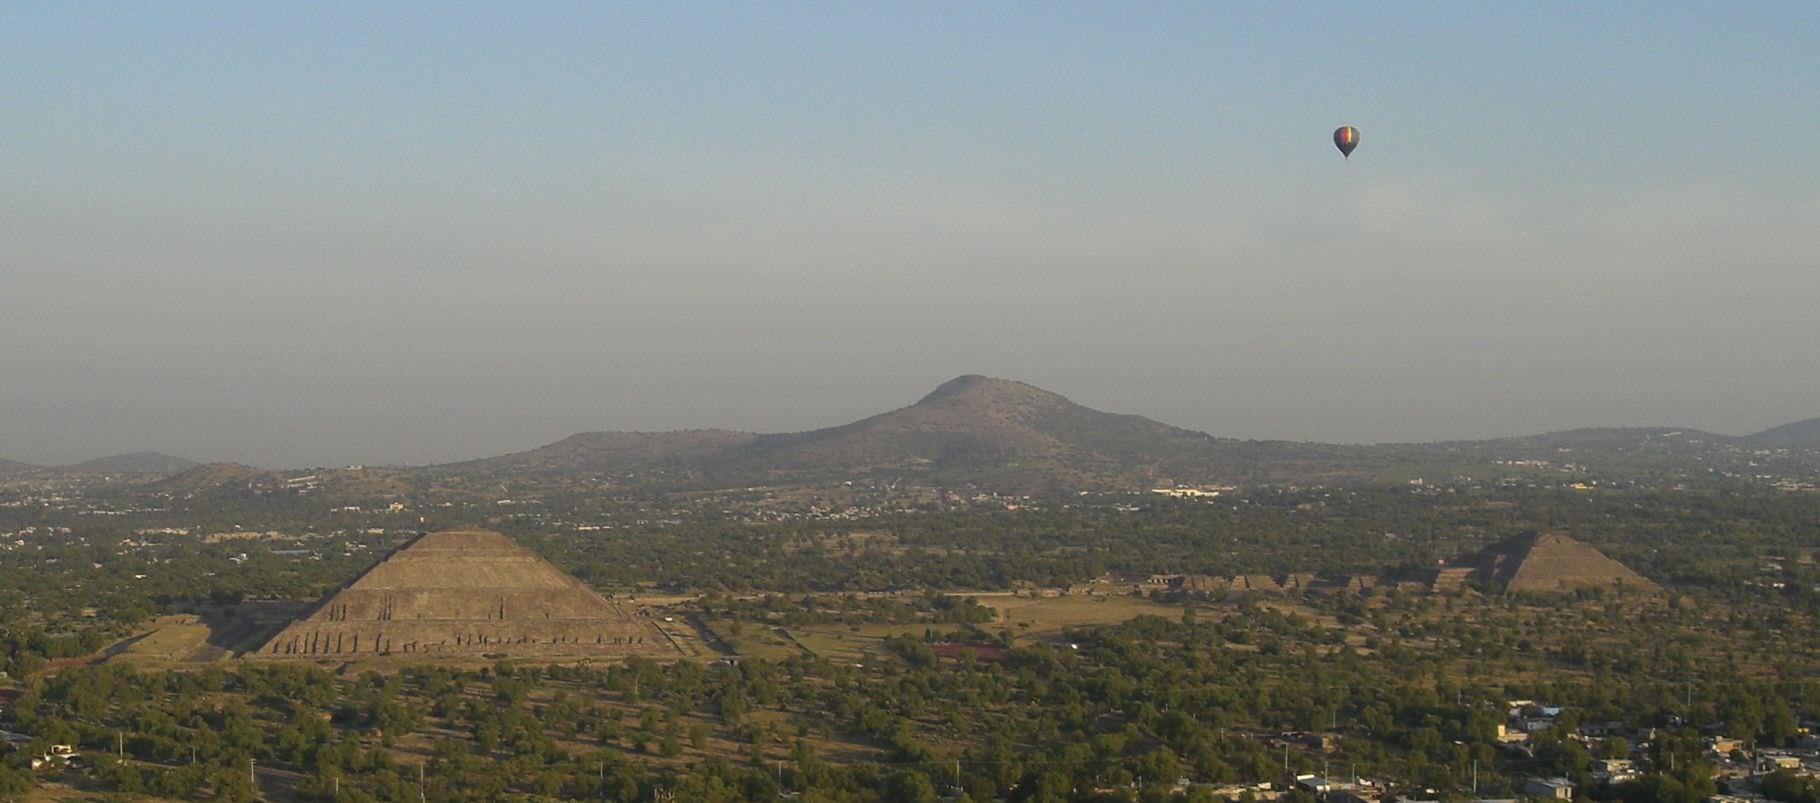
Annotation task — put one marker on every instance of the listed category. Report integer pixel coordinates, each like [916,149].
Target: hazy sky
[317,233]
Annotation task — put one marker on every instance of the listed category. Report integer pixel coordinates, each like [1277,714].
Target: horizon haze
[972,408]
[295,236]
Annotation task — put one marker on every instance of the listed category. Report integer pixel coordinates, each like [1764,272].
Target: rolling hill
[1799,435]
[210,477]
[134,463]
[13,467]
[610,453]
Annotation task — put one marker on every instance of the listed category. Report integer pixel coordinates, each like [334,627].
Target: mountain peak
[975,386]
[976,429]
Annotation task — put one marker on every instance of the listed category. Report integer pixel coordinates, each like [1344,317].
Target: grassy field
[178,638]
[855,644]
[1043,618]
[754,638]
[216,634]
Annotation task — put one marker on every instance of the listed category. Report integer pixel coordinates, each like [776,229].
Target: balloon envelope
[1346,138]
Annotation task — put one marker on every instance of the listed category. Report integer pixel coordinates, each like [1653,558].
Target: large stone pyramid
[1548,562]
[466,593]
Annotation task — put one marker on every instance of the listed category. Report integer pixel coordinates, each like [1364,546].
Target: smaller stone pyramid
[466,593]
[1546,562]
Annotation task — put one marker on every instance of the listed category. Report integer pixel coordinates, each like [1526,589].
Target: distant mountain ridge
[1010,434]
[611,452]
[134,463]
[14,467]
[970,429]
[1799,435]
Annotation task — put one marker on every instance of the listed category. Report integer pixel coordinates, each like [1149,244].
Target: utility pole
[1475,778]
[252,774]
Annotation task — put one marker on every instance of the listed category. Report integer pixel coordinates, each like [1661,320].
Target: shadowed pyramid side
[1548,562]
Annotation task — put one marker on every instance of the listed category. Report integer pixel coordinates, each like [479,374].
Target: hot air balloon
[1346,138]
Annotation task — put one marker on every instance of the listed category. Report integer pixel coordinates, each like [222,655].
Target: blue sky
[303,234]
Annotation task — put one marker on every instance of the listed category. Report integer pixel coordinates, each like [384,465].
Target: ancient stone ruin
[467,593]
[1537,562]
